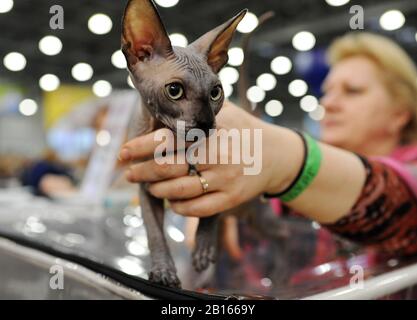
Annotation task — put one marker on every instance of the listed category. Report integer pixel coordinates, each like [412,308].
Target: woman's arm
[385,213]
[331,195]
[334,190]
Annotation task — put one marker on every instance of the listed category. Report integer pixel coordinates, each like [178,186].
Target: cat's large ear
[215,43]
[143,33]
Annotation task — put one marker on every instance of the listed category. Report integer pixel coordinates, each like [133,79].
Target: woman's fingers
[230,236]
[143,147]
[186,187]
[204,206]
[152,171]
[190,230]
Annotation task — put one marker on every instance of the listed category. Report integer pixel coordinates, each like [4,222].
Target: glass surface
[308,262]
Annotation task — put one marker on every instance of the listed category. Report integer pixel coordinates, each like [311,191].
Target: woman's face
[359,110]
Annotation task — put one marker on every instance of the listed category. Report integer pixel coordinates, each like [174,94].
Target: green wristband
[309,171]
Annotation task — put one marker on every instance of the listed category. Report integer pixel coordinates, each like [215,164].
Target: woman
[361,182]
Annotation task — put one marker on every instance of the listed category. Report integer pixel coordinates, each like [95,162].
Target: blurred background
[53,81]
[66,104]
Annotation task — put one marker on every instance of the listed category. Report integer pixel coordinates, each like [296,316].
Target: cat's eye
[216,93]
[175,90]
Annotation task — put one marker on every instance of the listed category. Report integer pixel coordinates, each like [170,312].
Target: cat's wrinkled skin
[153,64]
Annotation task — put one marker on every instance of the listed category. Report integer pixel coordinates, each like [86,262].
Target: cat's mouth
[194,132]
[188,129]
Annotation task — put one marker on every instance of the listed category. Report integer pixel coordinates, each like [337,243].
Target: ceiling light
[82,71]
[167,3]
[102,88]
[14,61]
[281,65]
[6,6]
[118,60]
[227,89]
[136,248]
[100,23]
[130,82]
[318,113]
[229,75]
[266,82]
[131,265]
[297,88]
[392,20]
[50,45]
[49,82]
[178,40]
[175,234]
[103,138]
[274,108]
[248,23]
[255,94]
[309,103]
[303,41]
[337,3]
[28,107]
[236,56]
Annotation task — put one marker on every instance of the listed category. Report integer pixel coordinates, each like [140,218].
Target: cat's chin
[176,131]
[184,133]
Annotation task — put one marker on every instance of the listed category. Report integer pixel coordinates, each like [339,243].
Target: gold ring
[204,183]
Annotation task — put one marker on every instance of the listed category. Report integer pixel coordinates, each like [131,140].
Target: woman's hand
[228,186]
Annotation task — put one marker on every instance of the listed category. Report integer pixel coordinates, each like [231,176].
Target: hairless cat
[176,84]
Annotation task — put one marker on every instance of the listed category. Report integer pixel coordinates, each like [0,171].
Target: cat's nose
[205,126]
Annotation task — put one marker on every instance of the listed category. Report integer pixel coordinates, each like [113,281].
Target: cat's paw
[165,275]
[204,253]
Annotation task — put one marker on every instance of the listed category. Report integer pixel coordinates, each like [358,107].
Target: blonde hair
[400,73]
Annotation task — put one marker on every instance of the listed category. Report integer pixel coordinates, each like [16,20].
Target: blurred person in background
[365,188]
[49,176]
[10,167]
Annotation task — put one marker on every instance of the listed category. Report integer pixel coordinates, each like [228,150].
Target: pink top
[400,161]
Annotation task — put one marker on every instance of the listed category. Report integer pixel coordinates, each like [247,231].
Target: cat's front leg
[206,243]
[163,269]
